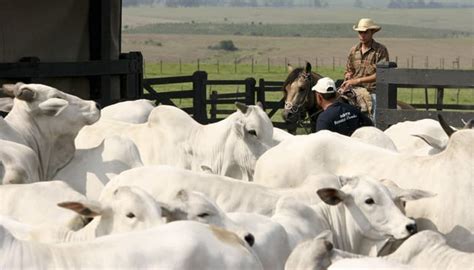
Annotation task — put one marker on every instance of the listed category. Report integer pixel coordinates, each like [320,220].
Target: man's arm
[365,120]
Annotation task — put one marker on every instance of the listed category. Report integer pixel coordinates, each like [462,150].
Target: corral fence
[208,105]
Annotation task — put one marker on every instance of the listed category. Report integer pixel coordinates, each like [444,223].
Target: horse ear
[289,67]
[308,67]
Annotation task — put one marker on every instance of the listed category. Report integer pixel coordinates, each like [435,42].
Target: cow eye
[369,201]
[130,215]
[253,132]
[203,215]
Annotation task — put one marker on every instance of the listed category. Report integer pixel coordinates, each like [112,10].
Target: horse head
[299,99]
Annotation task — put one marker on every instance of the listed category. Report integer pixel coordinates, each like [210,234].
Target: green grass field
[277,73]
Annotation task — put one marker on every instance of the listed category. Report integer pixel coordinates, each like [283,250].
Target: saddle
[358,97]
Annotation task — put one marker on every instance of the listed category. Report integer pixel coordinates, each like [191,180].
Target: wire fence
[269,65]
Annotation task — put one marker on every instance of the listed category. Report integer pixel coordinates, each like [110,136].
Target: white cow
[18,163]
[131,111]
[279,135]
[92,168]
[361,216]
[421,137]
[423,250]
[177,245]
[124,210]
[266,237]
[46,120]
[231,195]
[374,136]
[36,204]
[229,147]
[448,174]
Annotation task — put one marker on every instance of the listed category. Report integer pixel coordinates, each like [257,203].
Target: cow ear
[53,106]
[6,104]
[346,180]
[405,194]
[331,196]
[84,208]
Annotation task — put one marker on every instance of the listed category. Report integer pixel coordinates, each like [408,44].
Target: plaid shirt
[362,65]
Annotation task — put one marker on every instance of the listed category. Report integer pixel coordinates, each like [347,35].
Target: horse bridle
[295,109]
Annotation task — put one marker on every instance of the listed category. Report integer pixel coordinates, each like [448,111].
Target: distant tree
[317,3]
[358,4]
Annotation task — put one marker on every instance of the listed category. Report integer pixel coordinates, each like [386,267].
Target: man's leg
[374,107]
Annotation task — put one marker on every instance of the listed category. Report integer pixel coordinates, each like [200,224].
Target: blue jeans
[374,106]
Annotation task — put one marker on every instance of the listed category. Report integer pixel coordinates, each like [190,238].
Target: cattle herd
[134,186]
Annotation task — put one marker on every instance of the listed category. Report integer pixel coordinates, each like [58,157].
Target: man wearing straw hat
[360,68]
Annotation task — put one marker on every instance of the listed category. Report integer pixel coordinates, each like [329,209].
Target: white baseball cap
[325,85]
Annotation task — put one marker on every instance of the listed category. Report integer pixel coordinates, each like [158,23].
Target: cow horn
[445,126]
[242,107]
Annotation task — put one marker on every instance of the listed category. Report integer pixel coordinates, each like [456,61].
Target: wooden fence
[388,79]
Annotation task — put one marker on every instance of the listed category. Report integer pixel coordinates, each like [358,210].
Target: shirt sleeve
[383,55]
[349,64]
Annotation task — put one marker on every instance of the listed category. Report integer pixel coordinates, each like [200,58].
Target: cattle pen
[209,105]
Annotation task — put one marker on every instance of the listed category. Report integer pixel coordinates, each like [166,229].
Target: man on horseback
[337,116]
[361,63]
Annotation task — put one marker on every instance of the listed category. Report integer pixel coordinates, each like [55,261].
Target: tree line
[290,3]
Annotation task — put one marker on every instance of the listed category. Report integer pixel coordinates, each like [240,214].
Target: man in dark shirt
[337,116]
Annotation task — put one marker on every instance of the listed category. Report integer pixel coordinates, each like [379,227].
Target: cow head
[371,207]
[123,210]
[254,135]
[193,205]
[43,102]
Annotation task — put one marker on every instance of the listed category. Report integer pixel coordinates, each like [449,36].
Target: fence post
[386,93]
[161,66]
[217,66]
[198,64]
[268,64]
[261,92]
[235,65]
[252,65]
[180,67]
[250,91]
[199,99]
[333,63]
[213,112]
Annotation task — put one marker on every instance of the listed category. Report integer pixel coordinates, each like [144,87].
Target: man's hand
[350,82]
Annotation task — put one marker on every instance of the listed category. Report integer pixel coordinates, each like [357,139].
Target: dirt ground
[431,53]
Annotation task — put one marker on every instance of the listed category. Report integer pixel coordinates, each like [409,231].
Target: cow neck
[43,143]
[347,235]
[17,254]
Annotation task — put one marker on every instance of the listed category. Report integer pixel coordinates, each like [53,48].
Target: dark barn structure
[73,45]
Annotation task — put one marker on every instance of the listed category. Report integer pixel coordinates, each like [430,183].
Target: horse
[300,102]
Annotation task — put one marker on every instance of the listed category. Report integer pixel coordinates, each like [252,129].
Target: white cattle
[18,163]
[279,135]
[192,205]
[421,137]
[177,245]
[266,237]
[312,254]
[448,174]
[36,204]
[231,195]
[361,216]
[131,111]
[271,240]
[423,250]
[92,168]
[125,209]
[229,147]
[374,136]
[46,120]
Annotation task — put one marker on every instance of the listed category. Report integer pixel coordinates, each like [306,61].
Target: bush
[226,45]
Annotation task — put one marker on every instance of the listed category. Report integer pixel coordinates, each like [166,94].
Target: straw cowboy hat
[366,24]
